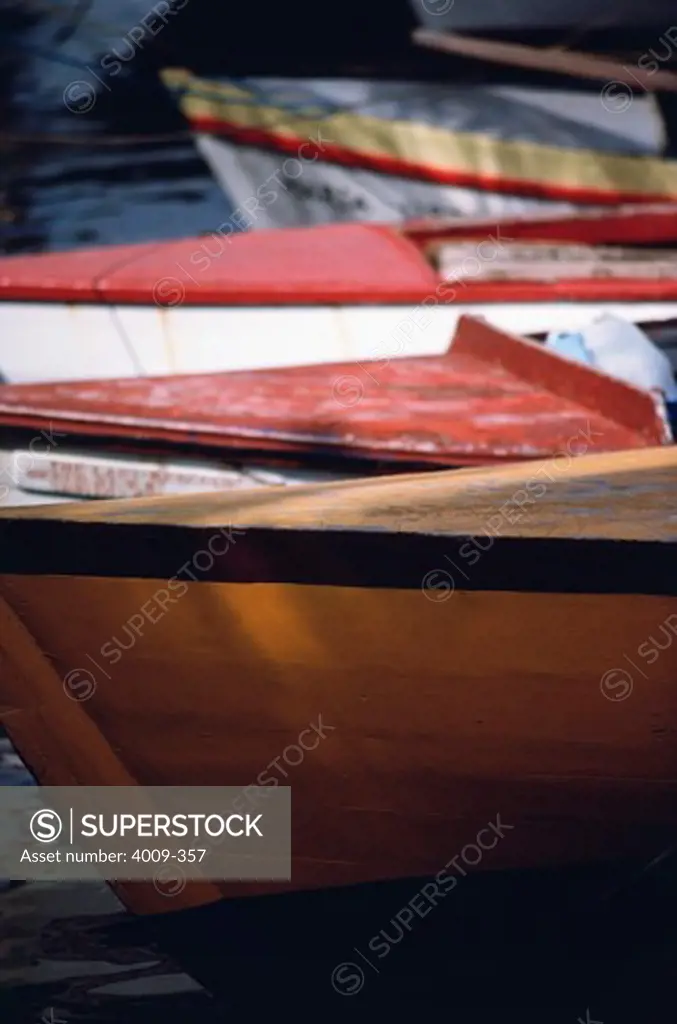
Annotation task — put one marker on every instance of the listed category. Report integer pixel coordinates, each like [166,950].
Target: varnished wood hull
[506,708]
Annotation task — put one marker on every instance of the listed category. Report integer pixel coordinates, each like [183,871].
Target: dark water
[59,965]
[119,165]
[68,954]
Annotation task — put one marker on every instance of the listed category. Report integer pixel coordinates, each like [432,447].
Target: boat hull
[506,690]
[493,748]
[214,340]
[413,743]
[466,678]
[290,152]
[338,293]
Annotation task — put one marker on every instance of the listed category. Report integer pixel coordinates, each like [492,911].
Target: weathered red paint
[491,398]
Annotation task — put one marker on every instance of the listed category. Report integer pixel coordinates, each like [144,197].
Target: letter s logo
[46,826]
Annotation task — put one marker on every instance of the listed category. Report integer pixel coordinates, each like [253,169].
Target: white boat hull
[51,341]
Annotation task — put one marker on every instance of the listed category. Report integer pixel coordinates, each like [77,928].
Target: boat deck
[491,398]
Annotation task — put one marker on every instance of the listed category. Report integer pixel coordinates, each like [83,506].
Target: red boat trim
[630,225]
[588,388]
[399,167]
[465,292]
[616,290]
[335,265]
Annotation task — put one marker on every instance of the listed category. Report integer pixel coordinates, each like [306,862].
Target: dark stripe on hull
[337,558]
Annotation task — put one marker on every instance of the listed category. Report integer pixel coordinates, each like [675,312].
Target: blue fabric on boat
[570,345]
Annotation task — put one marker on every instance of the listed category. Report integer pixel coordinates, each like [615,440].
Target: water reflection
[124,171]
[61,961]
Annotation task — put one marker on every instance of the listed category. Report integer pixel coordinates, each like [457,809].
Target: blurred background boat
[330,293]
[492,398]
[297,151]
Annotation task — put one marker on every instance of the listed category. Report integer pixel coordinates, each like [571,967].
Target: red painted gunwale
[626,225]
[337,264]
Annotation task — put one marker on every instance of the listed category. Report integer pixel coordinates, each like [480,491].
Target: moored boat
[372,603]
[331,293]
[292,151]
[491,398]
[478,649]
